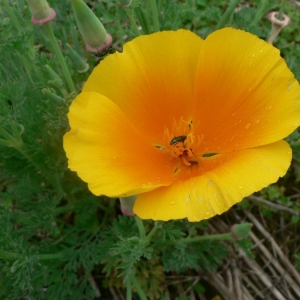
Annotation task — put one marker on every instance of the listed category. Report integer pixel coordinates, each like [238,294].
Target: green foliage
[121,247]
[197,256]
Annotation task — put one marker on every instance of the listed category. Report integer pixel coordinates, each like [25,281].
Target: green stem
[154,15]
[62,209]
[5,143]
[141,227]
[7,136]
[143,19]
[24,151]
[128,288]
[138,287]
[12,15]
[74,36]
[3,72]
[193,5]
[260,12]
[30,49]
[60,58]
[227,13]
[296,143]
[8,255]
[13,140]
[15,256]
[26,67]
[152,232]
[220,237]
[281,10]
[130,15]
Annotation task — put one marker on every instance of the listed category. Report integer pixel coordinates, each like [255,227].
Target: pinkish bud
[41,12]
[127,205]
[94,34]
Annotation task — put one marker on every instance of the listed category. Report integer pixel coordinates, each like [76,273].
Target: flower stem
[295,143]
[130,15]
[128,288]
[220,237]
[13,140]
[144,20]
[14,256]
[8,255]
[227,13]
[141,227]
[12,15]
[153,5]
[25,65]
[60,58]
[281,10]
[4,143]
[260,12]
[138,287]
[153,230]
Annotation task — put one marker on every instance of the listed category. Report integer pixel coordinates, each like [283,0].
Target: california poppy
[190,125]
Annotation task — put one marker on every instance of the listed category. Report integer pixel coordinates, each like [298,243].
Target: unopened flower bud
[241,231]
[90,27]
[127,205]
[54,77]
[41,12]
[53,97]
[277,24]
[79,63]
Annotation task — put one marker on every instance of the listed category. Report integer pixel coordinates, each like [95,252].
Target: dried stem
[279,252]
[273,205]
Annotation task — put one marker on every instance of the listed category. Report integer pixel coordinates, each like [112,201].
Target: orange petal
[152,80]
[245,94]
[109,153]
[232,177]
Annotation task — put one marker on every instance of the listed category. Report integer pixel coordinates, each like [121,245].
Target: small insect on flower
[193,162]
[178,139]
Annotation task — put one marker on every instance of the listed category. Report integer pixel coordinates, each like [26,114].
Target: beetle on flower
[191,126]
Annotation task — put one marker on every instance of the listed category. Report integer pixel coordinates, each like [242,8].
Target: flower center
[182,142]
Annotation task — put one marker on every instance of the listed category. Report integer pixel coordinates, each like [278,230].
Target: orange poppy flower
[192,126]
